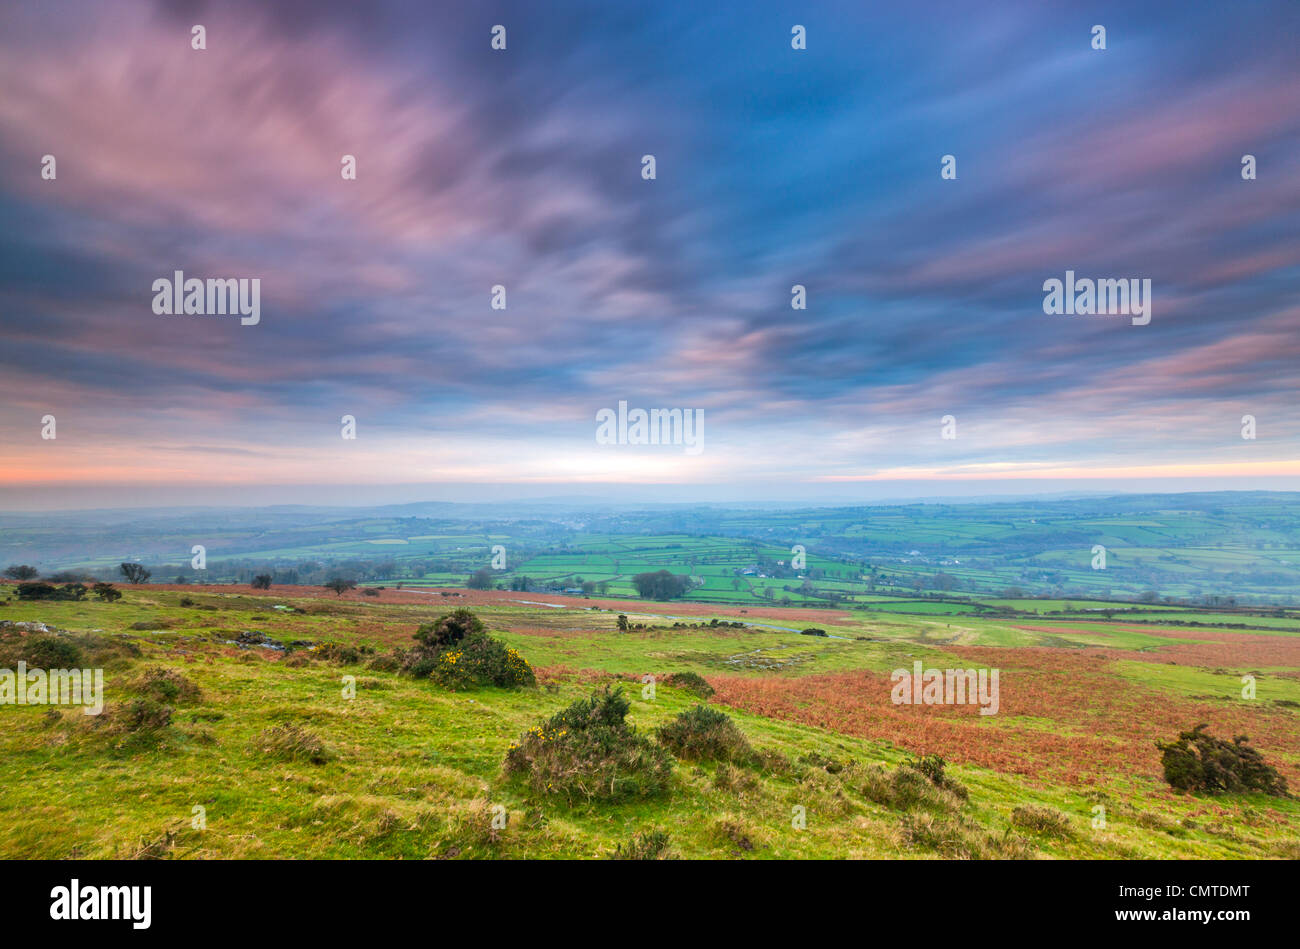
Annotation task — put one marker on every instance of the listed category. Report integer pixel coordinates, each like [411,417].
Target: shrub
[291,743]
[143,714]
[1041,820]
[691,682]
[421,665]
[481,660]
[813,631]
[370,591]
[35,591]
[588,750]
[337,653]
[702,732]
[48,652]
[449,629]
[1201,762]
[75,590]
[456,651]
[651,845]
[167,685]
[107,592]
[388,662]
[931,766]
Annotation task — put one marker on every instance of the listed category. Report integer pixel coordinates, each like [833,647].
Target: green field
[1161,551]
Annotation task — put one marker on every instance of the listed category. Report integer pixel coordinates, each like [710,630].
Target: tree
[107,592]
[622,623]
[339,585]
[660,585]
[262,581]
[21,571]
[134,572]
[480,579]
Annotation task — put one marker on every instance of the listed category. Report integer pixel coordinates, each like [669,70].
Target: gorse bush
[337,653]
[1201,762]
[481,660]
[589,751]
[702,732]
[456,652]
[46,591]
[449,629]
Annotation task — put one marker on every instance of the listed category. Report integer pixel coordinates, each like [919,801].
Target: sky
[523,168]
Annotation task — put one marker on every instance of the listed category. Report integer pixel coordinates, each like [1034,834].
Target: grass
[410,770]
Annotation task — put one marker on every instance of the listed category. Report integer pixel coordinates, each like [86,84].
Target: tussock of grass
[691,682]
[906,789]
[647,845]
[291,743]
[957,837]
[1041,820]
[167,686]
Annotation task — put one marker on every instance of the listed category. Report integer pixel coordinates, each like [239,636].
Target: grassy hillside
[410,769]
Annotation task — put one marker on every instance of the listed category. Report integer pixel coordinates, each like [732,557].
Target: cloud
[523,169]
